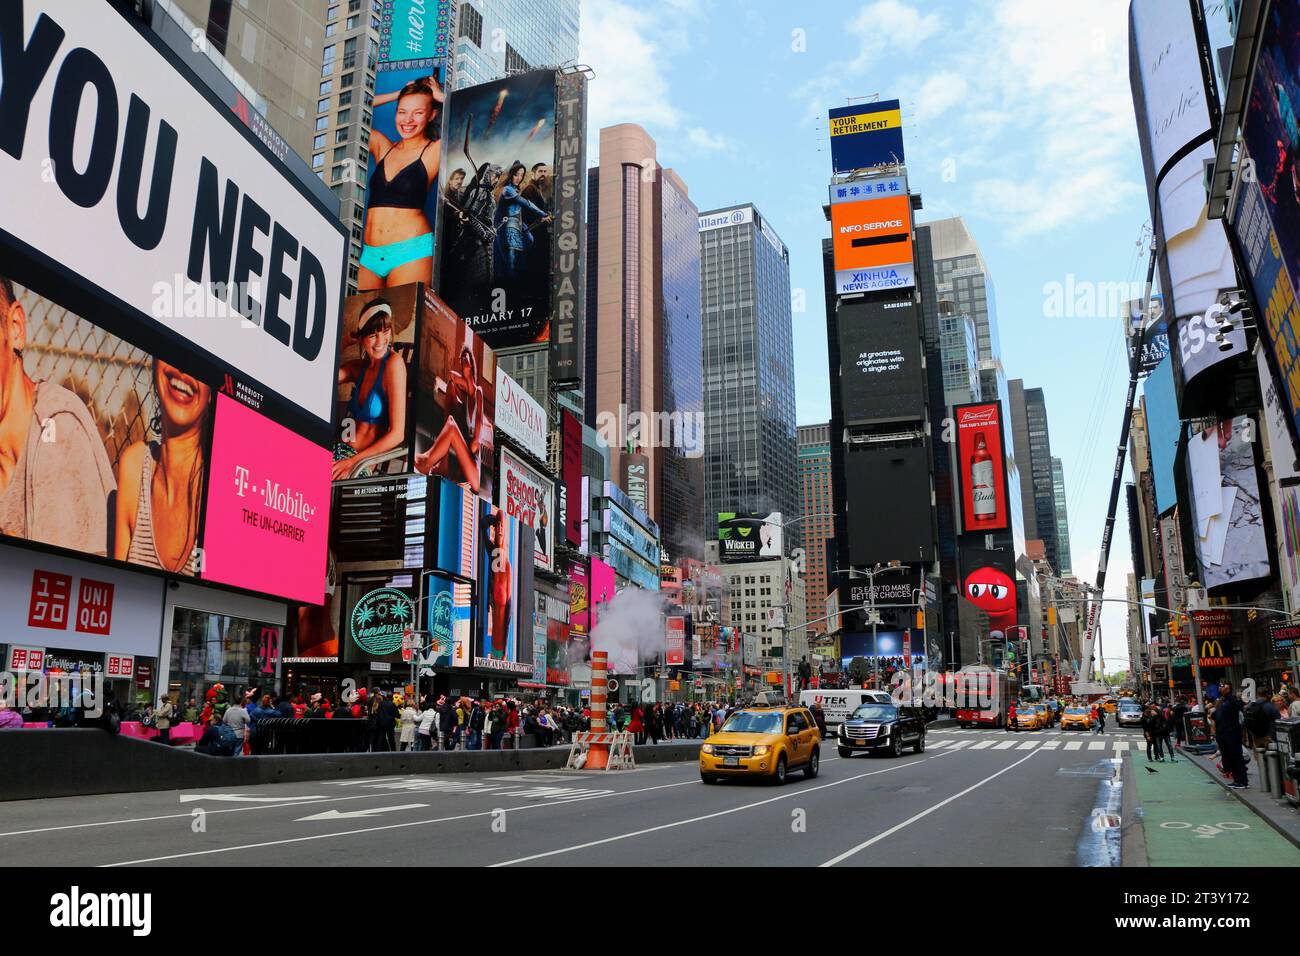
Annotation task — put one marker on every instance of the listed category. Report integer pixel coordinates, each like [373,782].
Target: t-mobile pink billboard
[267,520]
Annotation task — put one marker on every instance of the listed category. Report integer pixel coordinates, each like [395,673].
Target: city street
[975,797]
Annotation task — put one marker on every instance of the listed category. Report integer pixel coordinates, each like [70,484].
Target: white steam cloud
[630,629]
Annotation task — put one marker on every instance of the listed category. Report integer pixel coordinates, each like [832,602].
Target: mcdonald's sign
[1212,654]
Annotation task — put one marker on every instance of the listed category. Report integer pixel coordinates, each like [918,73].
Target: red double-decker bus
[982,696]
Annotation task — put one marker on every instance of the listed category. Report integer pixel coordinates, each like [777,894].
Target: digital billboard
[404,156]
[870,134]
[569,246]
[376,385]
[496,233]
[1164,429]
[903,531]
[988,580]
[205,249]
[1232,545]
[499,591]
[748,536]
[414,29]
[872,244]
[571,475]
[675,626]
[981,467]
[881,376]
[528,495]
[455,401]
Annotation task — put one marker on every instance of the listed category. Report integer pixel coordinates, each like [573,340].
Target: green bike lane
[1189,820]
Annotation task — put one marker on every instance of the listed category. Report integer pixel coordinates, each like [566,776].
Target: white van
[837,705]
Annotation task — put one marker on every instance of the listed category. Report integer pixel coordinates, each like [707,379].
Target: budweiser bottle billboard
[984,504]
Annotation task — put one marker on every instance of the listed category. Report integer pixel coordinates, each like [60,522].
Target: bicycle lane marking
[1184,814]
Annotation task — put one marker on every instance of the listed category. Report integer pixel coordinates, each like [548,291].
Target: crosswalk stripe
[1097,745]
[939,743]
[1005,745]
[958,744]
[1051,745]
[1074,745]
[1028,745]
[1121,745]
[982,745]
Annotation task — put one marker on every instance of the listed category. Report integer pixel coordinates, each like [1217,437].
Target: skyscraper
[1033,450]
[817,507]
[498,37]
[749,446]
[643,376]
[1062,519]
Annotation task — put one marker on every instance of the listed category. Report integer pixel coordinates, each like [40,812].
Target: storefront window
[212,648]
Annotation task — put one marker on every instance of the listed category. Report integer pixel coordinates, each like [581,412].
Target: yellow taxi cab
[763,742]
[1109,704]
[1031,717]
[1076,717]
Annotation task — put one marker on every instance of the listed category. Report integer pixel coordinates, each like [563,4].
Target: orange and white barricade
[611,752]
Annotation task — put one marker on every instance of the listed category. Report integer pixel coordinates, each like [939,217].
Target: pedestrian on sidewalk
[1153,732]
[1167,729]
[1293,708]
[1228,735]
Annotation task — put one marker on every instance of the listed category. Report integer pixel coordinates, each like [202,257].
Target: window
[345,117]
[331,29]
[331,52]
[340,154]
[322,105]
[318,161]
[346,80]
[322,122]
[318,142]
[471,24]
[326,87]
[345,98]
[352,22]
[338,172]
[341,135]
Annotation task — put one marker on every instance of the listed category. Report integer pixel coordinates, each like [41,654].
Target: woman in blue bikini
[398,246]
[375,419]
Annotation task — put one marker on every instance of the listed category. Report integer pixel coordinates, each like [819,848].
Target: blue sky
[1017,116]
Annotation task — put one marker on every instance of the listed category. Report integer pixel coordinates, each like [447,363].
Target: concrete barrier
[71,762]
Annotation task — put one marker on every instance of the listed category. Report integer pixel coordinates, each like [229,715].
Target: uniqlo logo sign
[51,596]
[119,666]
[94,607]
[26,658]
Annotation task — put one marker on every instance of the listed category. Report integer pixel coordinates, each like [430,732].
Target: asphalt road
[975,797]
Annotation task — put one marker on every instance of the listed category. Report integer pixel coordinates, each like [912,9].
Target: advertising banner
[456,401]
[266,525]
[377,621]
[603,588]
[375,397]
[981,467]
[636,479]
[1147,335]
[496,253]
[51,601]
[628,564]
[621,527]
[1288,533]
[881,377]
[870,134]
[619,498]
[498,578]
[220,255]
[1164,430]
[557,656]
[402,170]
[527,495]
[414,29]
[1281,447]
[903,531]
[676,629]
[569,247]
[520,417]
[747,536]
[872,244]
[1214,638]
[989,582]
[579,608]
[1285,638]
[571,475]
[1232,546]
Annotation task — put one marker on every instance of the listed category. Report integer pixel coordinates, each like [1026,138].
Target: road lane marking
[710,816]
[940,743]
[958,744]
[236,798]
[1051,745]
[924,813]
[1074,745]
[982,745]
[350,814]
[1121,745]
[1005,745]
[1028,745]
[1097,745]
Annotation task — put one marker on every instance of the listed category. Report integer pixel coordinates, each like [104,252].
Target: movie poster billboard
[749,536]
[981,467]
[526,494]
[496,234]
[499,591]
[1232,545]
[404,156]
[376,386]
[868,134]
[456,401]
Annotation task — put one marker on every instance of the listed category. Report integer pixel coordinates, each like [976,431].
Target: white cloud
[892,27]
[702,139]
[939,93]
[630,86]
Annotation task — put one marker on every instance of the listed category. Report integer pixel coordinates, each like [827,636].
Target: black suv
[887,727]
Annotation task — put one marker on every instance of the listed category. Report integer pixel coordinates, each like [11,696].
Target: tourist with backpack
[1260,716]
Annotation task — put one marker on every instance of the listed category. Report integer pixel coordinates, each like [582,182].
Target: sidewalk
[1188,819]
[1277,813]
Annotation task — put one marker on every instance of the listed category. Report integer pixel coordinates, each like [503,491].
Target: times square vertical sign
[568,248]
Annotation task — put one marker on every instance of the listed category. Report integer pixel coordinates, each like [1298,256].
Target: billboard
[904,529]
[579,606]
[872,244]
[1164,429]
[569,248]
[558,648]
[456,401]
[1232,545]
[881,376]
[1174,131]
[414,29]
[376,387]
[528,495]
[1280,445]
[675,625]
[989,582]
[571,475]
[747,536]
[636,479]
[221,260]
[499,591]
[981,467]
[870,134]
[520,416]
[496,252]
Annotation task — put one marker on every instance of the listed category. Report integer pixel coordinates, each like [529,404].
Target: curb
[1209,772]
[1133,835]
